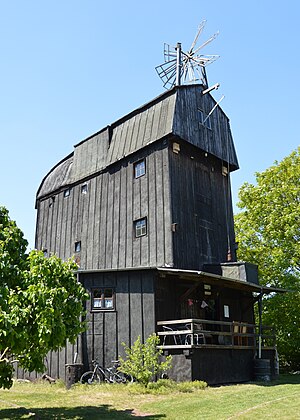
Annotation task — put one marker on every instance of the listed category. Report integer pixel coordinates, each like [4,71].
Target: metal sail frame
[185,67]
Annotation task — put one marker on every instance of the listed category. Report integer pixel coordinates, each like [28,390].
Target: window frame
[67,192]
[76,245]
[136,171]
[84,188]
[103,298]
[145,228]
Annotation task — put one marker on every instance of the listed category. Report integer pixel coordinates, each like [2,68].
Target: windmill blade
[188,67]
[200,30]
[169,52]
[167,72]
[204,60]
[214,36]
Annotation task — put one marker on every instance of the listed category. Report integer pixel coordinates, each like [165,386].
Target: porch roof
[196,276]
[215,279]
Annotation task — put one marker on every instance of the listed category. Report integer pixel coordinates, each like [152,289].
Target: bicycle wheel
[90,378]
[121,377]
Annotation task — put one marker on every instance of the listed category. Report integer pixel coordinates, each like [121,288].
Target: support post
[260,325]
[178,64]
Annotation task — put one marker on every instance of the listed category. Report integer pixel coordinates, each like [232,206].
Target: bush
[166,386]
[144,361]
[162,385]
[191,386]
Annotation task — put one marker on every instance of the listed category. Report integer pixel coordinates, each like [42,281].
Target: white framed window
[140,227]
[103,298]
[139,168]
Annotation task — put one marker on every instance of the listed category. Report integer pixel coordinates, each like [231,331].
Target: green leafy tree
[268,232]
[143,361]
[41,302]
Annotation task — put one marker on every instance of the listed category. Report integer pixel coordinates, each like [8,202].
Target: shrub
[191,386]
[144,361]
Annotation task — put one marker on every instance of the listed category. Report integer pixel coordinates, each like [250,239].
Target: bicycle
[102,374]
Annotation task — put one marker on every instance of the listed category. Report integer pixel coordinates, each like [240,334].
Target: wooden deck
[202,333]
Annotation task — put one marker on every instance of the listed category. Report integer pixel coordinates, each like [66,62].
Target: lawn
[278,400]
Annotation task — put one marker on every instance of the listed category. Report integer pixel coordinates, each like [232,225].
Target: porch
[204,333]
[217,352]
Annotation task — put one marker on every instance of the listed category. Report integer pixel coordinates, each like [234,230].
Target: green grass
[276,400]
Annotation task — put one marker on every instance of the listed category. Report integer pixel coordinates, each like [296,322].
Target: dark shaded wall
[102,218]
[201,208]
[133,315]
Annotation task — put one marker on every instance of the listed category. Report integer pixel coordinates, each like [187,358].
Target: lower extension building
[144,205]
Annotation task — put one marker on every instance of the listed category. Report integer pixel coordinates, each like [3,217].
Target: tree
[41,302]
[268,233]
[143,361]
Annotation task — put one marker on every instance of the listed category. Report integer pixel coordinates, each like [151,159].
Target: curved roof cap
[175,112]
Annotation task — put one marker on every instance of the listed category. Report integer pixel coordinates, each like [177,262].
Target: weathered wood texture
[133,132]
[133,316]
[214,366]
[102,217]
[55,362]
[216,140]
[176,112]
[201,209]
[188,190]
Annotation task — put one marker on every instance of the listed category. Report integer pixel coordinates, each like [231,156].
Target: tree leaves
[41,301]
[143,361]
[268,232]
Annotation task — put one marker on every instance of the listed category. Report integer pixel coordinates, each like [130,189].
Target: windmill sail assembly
[188,67]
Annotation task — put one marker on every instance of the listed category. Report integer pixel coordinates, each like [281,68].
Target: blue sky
[69,68]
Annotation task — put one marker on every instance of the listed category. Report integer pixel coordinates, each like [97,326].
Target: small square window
[67,192]
[226,311]
[140,227]
[139,168]
[78,246]
[103,299]
[84,189]
[51,201]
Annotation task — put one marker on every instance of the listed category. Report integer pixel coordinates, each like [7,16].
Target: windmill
[186,67]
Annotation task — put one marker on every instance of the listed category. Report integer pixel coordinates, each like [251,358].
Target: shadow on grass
[284,379]
[75,413]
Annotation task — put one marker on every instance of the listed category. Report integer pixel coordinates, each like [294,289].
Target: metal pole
[260,324]
[178,63]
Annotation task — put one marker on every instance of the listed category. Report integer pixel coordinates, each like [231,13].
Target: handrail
[193,332]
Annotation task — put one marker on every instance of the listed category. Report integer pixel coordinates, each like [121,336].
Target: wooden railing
[188,333]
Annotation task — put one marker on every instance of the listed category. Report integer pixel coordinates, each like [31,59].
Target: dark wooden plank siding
[148,303]
[102,218]
[133,316]
[123,314]
[90,156]
[204,218]
[148,124]
[186,124]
